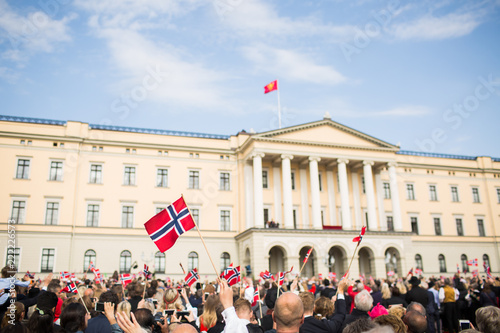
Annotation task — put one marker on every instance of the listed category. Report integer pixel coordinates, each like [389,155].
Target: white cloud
[430,27]
[27,35]
[290,64]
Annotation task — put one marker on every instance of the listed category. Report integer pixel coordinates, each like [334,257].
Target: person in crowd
[363,303]
[125,308]
[402,289]
[360,325]
[377,310]
[145,319]
[487,297]
[244,312]
[397,310]
[101,323]
[352,291]
[395,299]
[392,321]
[323,307]
[209,317]
[13,316]
[415,322]
[328,291]
[135,291]
[416,293]
[488,319]
[448,296]
[74,318]
[376,293]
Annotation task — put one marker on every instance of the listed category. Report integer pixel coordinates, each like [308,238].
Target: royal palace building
[79,192]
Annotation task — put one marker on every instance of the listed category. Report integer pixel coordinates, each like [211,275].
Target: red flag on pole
[307,255]
[360,237]
[271,87]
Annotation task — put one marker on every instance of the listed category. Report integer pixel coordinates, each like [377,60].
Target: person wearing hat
[417,293]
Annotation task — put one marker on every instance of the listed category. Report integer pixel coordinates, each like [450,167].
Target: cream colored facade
[79,189]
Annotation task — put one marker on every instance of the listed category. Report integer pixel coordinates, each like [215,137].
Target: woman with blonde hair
[125,308]
[173,300]
[209,317]
[386,291]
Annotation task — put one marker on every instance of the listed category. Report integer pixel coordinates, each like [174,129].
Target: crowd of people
[306,305]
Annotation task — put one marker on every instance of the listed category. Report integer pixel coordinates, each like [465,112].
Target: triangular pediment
[326,132]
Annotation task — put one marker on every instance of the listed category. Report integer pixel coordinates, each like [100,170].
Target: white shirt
[233,323]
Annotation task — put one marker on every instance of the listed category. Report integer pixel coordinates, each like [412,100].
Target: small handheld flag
[30,275]
[280,278]
[165,227]
[192,277]
[390,273]
[233,276]
[126,279]
[70,288]
[266,275]
[255,296]
[306,258]
[418,271]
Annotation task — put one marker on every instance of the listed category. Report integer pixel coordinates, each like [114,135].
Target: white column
[331,197]
[277,196]
[286,171]
[315,200]
[304,199]
[370,195]
[396,209]
[356,202]
[344,194]
[249,223]
[380,201]
[257,190]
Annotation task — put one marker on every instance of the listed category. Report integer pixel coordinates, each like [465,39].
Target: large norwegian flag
[70,288]
[165,227]
[126,279]
[233,276]
[192,277]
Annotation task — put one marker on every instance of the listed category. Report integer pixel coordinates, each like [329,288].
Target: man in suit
[101,324]
[417,293]
[330,325]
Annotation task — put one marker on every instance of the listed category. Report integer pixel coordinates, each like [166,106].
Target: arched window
[159,262]
[442,264]
[225,260]
[87,259]
[192,260]
[463,259]
[125,261]
[486,260]
[418,262]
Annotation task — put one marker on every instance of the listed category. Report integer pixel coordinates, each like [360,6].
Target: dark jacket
[331,325]
[355,315]
[99,324]
[417,294]
[328,292]
[394,300]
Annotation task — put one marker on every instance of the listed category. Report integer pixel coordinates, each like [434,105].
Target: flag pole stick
[183,271]
[205,245]
[279,105]
[350,263]
[82,300]
[260,303]
[278,294]
[304,264]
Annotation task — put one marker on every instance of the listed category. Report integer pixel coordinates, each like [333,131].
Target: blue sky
[424,74]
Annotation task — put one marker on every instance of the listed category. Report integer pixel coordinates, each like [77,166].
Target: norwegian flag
[97,275]
[30,275]
[410,272]
[255,296]
[345,275]
[266,275]
[126,279]
[418,271]
[280,278]
[233,276]
[70,288]
[192,277]
[475,273]
[91,266]
[332,275]
[65,275]
[307,255]
[146,272]
[225,271]
[165,227]
[390,273]
[73,276]
[458,268]
[472,262]
[360,237]
[320,276]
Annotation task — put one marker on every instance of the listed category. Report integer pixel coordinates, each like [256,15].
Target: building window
[454,194]
[265,179]
[48,260]
[51,213]
[18,211]
[390,223]
[125,261]
[194,179]
[159,262]
[225,261]
[293,180]
[158,210]
[465,267]
[162,178]
[363,184]
[294,214]
[23,169]
[127,216]
[433,193]
[442,264]
[480,226]
[56,171]
[224,181]
[418,262]
[475,195]
[13,256]
[460,227]
[266,215]
[498,195]
[92,215]
[129,176]
[225,220]
[486,260]
[414,224]
[192,261]
[410,193]
[195,213]
[95,174]
[320,182]
[437,226]
[88,257]
[387,191]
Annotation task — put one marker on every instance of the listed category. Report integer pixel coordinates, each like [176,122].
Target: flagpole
[278,295]
[183,271]
[304,264]
[260,303]
[279,106]
[203,241]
